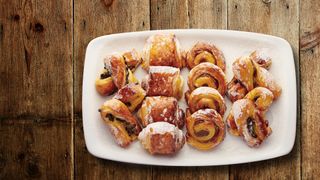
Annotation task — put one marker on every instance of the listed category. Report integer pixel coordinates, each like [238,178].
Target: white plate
[233,150]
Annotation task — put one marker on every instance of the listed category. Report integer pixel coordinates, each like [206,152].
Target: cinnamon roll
[162,50]
[161,108]
[206,97]
[131,95]
[122,124]
[104,84]
[246,121]
[163,81]
[205,129]
[162,138]
[207,74]
[203,52]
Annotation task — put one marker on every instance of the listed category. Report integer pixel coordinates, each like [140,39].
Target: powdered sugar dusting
[164,69]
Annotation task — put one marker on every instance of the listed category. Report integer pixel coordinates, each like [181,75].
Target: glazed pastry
[132,59]
[120,74]
[235,90]
[246,121]
[122,124]
[161,108]
[206,97]
[243,70]
[162,50]
[262,97]
[205,129]
[207,74]
[163,81]
[162,138]
[203,52]
[261,58]
[104,84]
[131,95]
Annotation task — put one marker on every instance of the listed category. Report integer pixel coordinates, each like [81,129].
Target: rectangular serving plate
[233,150]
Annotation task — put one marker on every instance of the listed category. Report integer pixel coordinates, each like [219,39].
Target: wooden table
[42,47]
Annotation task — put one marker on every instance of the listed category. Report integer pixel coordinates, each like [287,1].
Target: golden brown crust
[123,125]
[161,109]
[235,90]
[205,129]
[204,52]
[132,59]
[246,121]
[104,84]
[163,81]
[207,74]
[206,97]
[131,95]
[162,50]
[118,69]
[261,58]
[262,97]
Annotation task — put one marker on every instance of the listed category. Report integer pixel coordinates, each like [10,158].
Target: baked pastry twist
[205,97]
[132,59]
[104,84]
[205,129]
[204,52]
[162,138]
[262,97]
[163,81]
[261,58]
[131,95]
[161,108]
[246,121]
[122,124]
[162,50]
[207,74]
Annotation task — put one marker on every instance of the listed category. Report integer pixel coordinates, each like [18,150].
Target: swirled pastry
[163,81]
[162,50]
[122,124]
[262,97]
[206,97]
[205,129]
[131,95]
[161,108]
[132,59]
[207,74]
[203,52]
[162,138]
[246,121]
[104,84]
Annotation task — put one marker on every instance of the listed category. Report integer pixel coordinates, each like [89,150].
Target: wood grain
[202,14]
[92,19]
[280,18]
[310,80]
[36,89]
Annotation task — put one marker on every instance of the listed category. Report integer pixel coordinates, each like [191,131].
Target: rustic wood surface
[42,47]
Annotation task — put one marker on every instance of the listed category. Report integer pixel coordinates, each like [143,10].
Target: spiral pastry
[131,95]
[246,121]
[162,50]
[207,74]
[205,129]
[203,52]
[104,84]
[262,98]
[122,124]
[162,138]
[206,97]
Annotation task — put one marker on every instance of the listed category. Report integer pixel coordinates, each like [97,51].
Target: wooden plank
[174,14]
[310,84]
[33,148]
[36,58]
[280,18]
[36,89]
[92,19]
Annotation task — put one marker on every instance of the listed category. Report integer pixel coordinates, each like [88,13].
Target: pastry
[104,84]
[205,97]
[207,74]
[163,81]
[162,138]
[204,52]
[261,58]
[162,50]
[131,95]
[235,90]
[161,108]
[246,121]
[132,59]
[205,129]
[262,97]
[122,124]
